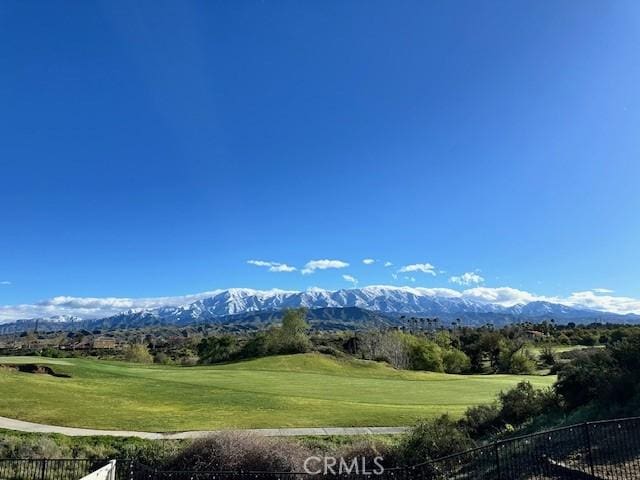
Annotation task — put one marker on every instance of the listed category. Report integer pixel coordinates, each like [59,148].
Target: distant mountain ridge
[347,306]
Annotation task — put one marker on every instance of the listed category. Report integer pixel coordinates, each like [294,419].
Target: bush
[33,448]
[481,420]
[138,353]
[548,356]
[588,377]
[369,449]
[328,350]
[216,349]
[162,358]
[516,360]
[456,361]
[425,355]
[240,451]
[36,446]
[523,402]
[256,346]
[188,361]
[433,438]
[521,363]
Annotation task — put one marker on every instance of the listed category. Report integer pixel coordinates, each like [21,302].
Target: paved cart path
[22,426]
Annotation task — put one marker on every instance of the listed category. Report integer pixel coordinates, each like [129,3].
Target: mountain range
[347,308]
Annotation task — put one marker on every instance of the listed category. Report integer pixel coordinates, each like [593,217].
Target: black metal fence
[48,469]
[606,450]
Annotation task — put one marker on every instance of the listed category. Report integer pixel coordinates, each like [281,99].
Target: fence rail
[47,469]
[605,450]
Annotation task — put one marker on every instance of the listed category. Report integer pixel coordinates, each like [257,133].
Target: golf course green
[306,390]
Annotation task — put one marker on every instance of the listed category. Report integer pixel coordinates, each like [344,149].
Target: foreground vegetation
[281,391]
[592,384]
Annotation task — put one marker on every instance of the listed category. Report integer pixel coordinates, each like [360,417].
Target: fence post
[497,453]
[43,469]
[589,449]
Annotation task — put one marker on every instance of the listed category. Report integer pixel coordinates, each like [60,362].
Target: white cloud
[259,263]
[315,289]
[93,307]
[394,276]
[273,266]
[388,264]
[350,279]
[5,282]
[368,261]
[467,278]
[325,264]
[98,307]
[601,290]
[505,296]
[411,279]
[607,303]
[419,267]
[282,267]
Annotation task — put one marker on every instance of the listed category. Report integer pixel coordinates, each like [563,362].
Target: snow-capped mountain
[384,299]
[402,300]
[240,304]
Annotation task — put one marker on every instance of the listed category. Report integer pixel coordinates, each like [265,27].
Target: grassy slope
[286,391]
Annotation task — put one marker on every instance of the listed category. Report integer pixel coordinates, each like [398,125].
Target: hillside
[340,309]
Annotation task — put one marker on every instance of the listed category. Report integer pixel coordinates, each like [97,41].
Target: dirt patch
[37,369]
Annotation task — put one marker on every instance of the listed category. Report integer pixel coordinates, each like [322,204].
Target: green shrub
[456,361]
[521,363]
[425,355]
[548,356]
[589,377]
[433,438]
[137,353]
[523,402]
[291,337]
[368,449]
[481,420]
[328,350]
[162,358]
[217,349]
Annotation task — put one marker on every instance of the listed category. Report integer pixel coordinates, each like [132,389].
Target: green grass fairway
[558,349]
[286,391]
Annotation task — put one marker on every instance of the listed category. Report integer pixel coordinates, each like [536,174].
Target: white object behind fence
[108,472]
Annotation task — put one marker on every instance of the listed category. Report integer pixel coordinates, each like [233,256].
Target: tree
[391,347]
[425,355]
[455,361]
[138,353]
[548,356]
[216,349]
[292,336]
[442,339]
[294,322]
[520,363]
[589,377]
[256,346]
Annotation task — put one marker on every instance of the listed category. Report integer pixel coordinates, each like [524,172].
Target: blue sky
[154,148]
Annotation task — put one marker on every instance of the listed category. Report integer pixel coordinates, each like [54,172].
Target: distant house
[104,343]
[534,335]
